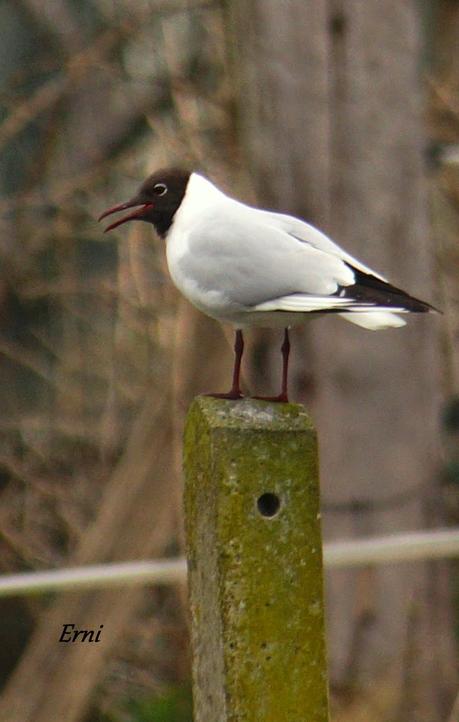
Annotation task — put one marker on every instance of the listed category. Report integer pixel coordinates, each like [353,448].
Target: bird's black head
[157,200]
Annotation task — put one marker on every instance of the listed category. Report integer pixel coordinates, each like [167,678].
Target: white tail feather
[376,320]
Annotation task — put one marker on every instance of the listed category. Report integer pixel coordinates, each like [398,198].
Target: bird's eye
[160,189]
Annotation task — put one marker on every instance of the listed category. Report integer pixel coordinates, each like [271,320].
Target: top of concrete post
[253,414]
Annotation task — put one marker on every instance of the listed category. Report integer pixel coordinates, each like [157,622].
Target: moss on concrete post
[255,563]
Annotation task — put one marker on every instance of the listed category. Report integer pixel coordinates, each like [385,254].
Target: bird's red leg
[285,350]
[235,391]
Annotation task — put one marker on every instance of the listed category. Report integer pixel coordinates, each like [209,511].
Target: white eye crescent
[160,189]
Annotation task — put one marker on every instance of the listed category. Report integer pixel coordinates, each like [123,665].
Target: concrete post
[255,563]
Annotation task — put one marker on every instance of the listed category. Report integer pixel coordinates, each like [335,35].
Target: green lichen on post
[255,581]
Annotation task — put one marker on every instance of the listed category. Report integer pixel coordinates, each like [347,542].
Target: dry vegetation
[97,355]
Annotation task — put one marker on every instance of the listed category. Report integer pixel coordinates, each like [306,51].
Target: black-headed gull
[252,267]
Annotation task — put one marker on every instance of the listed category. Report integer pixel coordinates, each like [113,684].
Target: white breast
[200,195]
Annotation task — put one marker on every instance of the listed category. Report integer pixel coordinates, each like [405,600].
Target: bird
[251,267]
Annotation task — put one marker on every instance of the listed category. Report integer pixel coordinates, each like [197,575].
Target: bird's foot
[279,399]
[232,395]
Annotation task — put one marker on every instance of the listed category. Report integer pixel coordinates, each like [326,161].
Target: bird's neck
[162,222]
[200,195]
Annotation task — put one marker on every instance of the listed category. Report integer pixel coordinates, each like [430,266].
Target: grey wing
[250,262]
[312,236]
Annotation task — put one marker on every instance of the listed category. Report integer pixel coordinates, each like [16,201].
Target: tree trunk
[329,110]
[444,129]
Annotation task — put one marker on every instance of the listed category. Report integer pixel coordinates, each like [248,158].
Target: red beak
[137,214]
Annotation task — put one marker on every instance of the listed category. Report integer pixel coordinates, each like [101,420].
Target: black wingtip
[434,309]
[370,289]
[415,305]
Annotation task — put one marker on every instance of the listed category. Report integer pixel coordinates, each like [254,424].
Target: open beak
[138,214]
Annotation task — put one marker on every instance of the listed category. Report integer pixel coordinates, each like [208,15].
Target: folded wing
[263,261]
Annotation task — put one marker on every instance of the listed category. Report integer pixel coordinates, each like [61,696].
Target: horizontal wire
[410,546]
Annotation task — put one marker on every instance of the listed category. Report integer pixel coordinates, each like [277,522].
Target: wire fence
[394,548]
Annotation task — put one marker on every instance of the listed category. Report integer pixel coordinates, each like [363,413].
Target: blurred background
[345,113]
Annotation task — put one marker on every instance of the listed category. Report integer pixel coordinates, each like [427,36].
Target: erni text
[71,634]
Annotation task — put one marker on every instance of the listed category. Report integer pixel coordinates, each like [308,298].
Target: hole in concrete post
[268,504]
